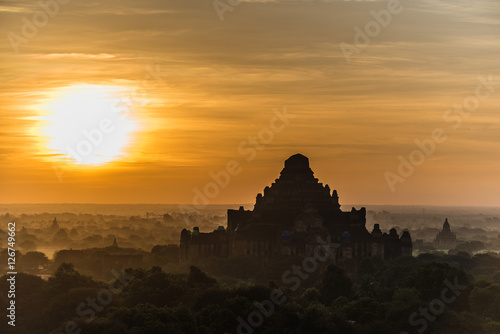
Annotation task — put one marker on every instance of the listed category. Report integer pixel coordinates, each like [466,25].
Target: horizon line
[232,204]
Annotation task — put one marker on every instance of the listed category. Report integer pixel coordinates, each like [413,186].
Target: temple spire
[446,225]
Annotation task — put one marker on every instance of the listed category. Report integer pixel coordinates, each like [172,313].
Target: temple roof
[297,202]
[297,161]
[295,189]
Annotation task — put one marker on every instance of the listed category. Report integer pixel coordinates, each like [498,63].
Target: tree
[168,218]
[32,260]
[30,300]
[150,319]
[155,287]
[334,284]
[430,279]
[405,296]
[311,295]
[66,278]
[365,310]
[198,278]
[63,307]
[28,245]
[486,301]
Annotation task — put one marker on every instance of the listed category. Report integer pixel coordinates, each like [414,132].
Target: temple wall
[377,249]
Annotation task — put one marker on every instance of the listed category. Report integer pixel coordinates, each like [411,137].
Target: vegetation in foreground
[427,294]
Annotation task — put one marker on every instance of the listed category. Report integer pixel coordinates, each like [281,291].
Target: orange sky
[208,86]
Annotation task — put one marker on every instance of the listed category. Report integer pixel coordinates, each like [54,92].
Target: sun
[89,124]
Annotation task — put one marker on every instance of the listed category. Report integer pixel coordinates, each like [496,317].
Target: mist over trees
[381,299]
[121,274]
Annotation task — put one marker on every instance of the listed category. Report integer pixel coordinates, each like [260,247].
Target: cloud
[72,55]
[14,9]
[225,78]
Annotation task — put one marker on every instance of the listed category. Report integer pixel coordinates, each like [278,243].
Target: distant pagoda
[55,225]
[445,238]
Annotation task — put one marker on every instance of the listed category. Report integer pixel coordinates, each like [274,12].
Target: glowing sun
[90,124]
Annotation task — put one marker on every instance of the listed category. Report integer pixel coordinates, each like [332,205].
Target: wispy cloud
[72,56]
[14,9]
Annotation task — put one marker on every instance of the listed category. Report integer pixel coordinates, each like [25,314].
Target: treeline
[427,294]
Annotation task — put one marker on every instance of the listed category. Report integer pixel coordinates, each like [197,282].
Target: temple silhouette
[287,220]
[445,238]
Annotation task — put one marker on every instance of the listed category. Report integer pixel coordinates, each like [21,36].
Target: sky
[200,102]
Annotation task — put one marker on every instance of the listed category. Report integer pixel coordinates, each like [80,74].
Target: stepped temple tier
[287,220]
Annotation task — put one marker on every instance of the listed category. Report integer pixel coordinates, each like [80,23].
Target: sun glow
[89,124]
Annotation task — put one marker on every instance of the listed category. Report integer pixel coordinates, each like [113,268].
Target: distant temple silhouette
[102,258]
[287,221]
[445,238]
[55,225]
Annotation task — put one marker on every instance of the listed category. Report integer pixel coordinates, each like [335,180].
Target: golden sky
[189,92]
